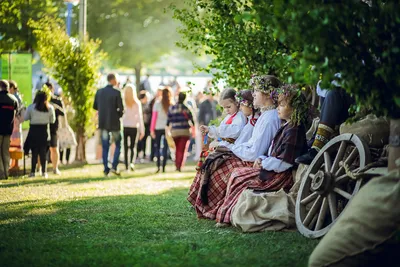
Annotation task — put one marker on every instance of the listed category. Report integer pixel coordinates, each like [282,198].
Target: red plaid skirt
[216,189]
[203,156]
[247,178]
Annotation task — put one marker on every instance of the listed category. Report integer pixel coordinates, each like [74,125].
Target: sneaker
[57,171]
[105,174]
[45,175]
[114,171]
[308,157]
[132,167]
[32,174]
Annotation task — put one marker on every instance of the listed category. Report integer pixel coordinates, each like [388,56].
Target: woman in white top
[133,123]
[40,114]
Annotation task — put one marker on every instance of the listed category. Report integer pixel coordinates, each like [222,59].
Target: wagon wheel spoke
[339,156]
[348,161]
[328,162]
[322,214]
[332,206]
[312,211]
[308,199]
[342,193]
[344,177]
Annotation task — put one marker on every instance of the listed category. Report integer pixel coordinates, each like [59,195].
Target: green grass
[139,219]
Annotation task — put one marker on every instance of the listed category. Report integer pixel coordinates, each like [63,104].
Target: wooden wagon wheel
[326,189]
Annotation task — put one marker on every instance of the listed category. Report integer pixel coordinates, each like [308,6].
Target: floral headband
[266,84]
[241,101]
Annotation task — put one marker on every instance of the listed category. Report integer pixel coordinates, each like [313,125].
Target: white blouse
[245,134]
[274,164]
[263,133]
[232,130]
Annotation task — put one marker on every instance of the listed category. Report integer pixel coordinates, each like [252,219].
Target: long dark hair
[166,99]
[41,101]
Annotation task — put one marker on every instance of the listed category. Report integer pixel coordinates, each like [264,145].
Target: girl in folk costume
[245,100]
[207,195]
[273,171]
[229,129]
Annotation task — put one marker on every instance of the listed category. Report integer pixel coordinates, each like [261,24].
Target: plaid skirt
[216,189]
[247,178]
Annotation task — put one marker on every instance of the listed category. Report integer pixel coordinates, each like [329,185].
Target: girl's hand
[153,134]
[203,129]
[257,164]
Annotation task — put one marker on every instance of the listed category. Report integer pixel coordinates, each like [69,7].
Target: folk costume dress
[207,195]
[228,131]
[276,173]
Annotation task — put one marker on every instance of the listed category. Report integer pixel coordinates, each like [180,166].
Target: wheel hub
[321,182]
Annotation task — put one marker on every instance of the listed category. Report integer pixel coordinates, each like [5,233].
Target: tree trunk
[80,155]
[394,151]
[138,69]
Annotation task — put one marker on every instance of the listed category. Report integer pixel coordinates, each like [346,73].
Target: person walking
[58,105]
[133,124]
[158,124]
[180,120]
[108,103]
[16,136]
[8,107]
[40,114]
[146,111]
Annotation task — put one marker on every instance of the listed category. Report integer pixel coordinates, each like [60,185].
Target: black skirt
[38,136]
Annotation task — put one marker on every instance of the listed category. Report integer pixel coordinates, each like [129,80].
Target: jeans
[157,148]
[105,142]
[4,156]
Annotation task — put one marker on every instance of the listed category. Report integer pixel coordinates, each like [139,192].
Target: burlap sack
[370,219]
[374,131]
[255,212]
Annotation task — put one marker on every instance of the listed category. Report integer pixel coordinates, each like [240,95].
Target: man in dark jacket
[108,103]
[8,106]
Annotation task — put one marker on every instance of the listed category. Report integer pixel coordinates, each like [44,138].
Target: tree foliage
[15,33]
[357,40]
[233,33]
[75,66]
[133,33]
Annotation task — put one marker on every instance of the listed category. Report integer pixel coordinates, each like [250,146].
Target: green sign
[4,66]
[18,67]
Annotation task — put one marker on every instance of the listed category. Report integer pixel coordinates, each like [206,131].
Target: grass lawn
[138,219]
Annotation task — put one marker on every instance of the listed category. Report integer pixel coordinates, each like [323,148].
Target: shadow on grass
[140,230]
[77,178]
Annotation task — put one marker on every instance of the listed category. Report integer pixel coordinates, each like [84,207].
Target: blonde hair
[130,96]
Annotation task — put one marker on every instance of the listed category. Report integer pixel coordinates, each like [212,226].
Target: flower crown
[263,83]
[241,101]
[266,84]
